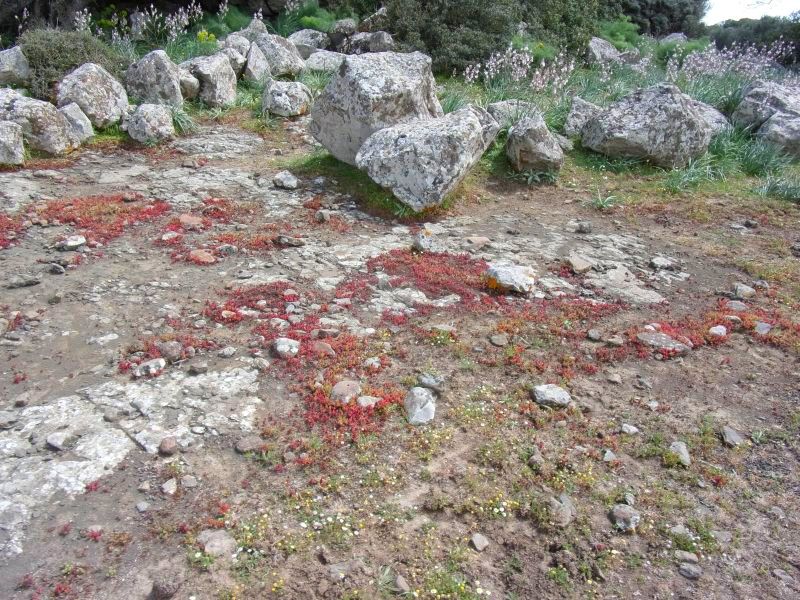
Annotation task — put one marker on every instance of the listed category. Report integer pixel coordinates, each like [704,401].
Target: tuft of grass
[699,170]
[600,162]
[785,188]
[183,122]
[601,202]
[760,158]
[188,46]
[316,81]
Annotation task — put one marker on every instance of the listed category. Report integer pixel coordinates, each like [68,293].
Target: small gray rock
[690,571]
[681,450]
[420,405]
[479,541]
[551,395]
[625,518]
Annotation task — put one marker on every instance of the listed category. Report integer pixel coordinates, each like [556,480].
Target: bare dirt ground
[228,471]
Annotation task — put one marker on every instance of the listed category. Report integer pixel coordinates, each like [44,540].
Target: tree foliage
[662,17]
[763,32]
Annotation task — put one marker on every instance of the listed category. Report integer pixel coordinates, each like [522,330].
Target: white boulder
[101,97]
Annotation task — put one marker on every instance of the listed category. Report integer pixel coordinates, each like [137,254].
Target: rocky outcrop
[238,42]
[253,31]
[257,67]
[716,121]
[80,127]
[307,41]
[324,60]
[281,54]
[531,146]
[772,110]
[12,151]
[155,79]
[783,130]
[371,92]
[601,52]
[421,162]
[101,97]
[236,60]
[580,112]
[659,124]
[361,43]
[286,98]
[216,77]
[340,31]
[675,38]
[44,128]
[14,68]
[150,124]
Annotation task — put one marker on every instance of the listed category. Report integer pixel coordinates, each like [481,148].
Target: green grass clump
[53,53]
[760,158]
[623,34]
[189,46]
[785,188]
[316,81]
[699,170]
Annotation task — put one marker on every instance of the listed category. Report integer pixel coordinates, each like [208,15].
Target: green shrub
[623,34]
[189,46]
[311,16]
[53,53]
[538,49]
[235,20]
[760,158]
[455,33]
[665,51]
[567,23]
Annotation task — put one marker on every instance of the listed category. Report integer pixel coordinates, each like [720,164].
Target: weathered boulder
[252,32]
[361,43]
[12,151]
[341,30]
[509,112]
[675,38]
[190,85]
[420,405]
[150,124]
[716,121]
[376,21]
[257,67]
[761,100]
[101,97]
[783,130]
[658,123]
[423,161]
[286,98]
[80,127]
[324,60]
[217,79]
[43,127]
[531,146]
[238,42]
[14,68]
[600,52]
[371,92]
[580,112]
[281,54]
[155,79]
[308,40]
[236,59]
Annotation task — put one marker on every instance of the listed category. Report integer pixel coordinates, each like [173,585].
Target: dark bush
[567,23]
[661,17]
[53,53]
[763,32]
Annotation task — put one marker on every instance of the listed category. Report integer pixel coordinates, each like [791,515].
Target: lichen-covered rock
[659,124]
[155,79]
[531,146]
[716,121]
[509,112]
[190,85]
[361,43]
[580,112]
[601,52]
[43,127]
[286,98]
[783,130]
[217,79]
[238,42]
[14,68]
[281,54]
[80,127]
[341,30]
[325,61]
[371,92]
[674,38]
[423,161]
[12,151]
[236,59]
[519,279]
[150,124]
[257,67]
[309,40]
[255,29]
[420,405]
[761,100]
[101,97]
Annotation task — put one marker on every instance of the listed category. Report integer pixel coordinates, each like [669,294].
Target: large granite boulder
[216,77]
[14,68]
[101,97]
[422,161]
[79,125]
[341,30]
[307,41]
[238,42]
[761,100]
[371,92]
[12,151]
[257,67]
[281,54]
[44,128]
[659,124]
[150,124]
[361,43]
[190,85]
[580,112]
[324,60]
[602,52]
[236,60]
[531,146]
[253,31]
[783,130]
[286,98]
[716,121]
[155,79]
